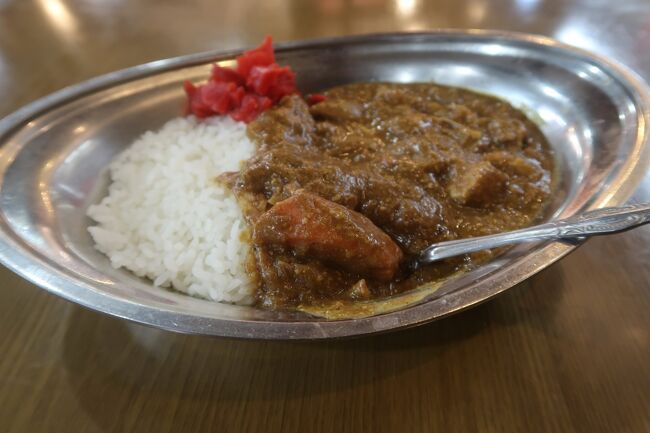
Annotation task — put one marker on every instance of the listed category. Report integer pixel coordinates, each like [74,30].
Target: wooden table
[568,350]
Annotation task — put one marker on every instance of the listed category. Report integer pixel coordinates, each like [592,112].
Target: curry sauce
[339,192]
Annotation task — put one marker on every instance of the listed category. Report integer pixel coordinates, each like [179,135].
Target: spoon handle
[595,222]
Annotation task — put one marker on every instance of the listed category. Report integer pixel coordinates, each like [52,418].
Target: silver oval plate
[54,154]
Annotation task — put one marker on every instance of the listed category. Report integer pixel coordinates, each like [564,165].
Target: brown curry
[339,194]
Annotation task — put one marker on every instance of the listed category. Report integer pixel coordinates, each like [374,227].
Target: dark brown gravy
[424,163]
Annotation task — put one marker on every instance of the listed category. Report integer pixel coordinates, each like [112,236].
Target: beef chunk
[290,120]
[477,185]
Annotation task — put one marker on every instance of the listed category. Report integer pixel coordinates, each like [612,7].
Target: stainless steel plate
[54,153]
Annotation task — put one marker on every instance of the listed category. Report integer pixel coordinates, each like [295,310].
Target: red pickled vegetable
[315,98]
[246,91]
[252,106]
[226,75]
[222,97]
[273,81]
[260,56]
[213,98]
[194,103]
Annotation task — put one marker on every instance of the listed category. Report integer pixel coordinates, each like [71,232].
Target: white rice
[165,218]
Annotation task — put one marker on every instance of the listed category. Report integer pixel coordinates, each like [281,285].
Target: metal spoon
[577,227]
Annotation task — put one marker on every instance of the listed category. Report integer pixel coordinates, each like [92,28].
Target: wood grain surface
[566,351]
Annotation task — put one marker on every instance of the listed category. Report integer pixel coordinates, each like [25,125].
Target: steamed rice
[165,218]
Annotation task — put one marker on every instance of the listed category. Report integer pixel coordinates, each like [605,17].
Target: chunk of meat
[337,110]
[515,165]
[508,131]
[311,226]
[290,121]
[478,185]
